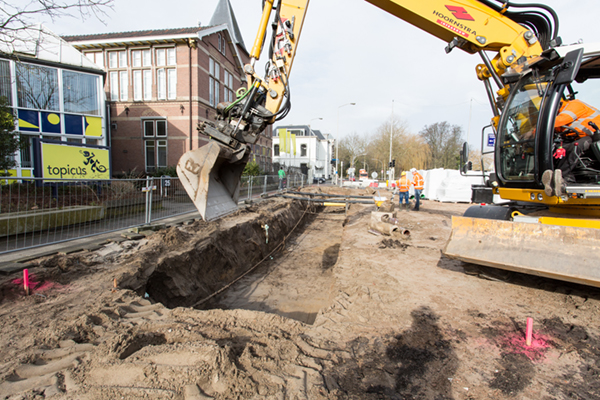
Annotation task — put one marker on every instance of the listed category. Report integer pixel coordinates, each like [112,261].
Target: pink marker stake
[26,280]
[529,331]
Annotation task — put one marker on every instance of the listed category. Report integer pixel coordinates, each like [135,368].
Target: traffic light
[469,165]
[390,164]
[393,163]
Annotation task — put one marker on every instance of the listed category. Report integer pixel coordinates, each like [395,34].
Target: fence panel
[36,212]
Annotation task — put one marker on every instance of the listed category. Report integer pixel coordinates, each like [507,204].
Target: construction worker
[575,121]
[418,183]
[281,174]
[403,186]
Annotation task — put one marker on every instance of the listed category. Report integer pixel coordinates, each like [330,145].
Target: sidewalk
[19,260]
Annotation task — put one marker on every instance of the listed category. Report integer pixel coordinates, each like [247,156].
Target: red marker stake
[26,280]
[529,331]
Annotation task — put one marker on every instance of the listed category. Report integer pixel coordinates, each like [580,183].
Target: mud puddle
[295,282]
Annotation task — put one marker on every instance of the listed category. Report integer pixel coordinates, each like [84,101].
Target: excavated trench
[284,269]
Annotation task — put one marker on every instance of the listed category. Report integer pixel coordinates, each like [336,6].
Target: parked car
[319,180]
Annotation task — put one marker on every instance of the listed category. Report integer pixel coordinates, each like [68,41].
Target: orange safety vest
[576,115]
[418,181]
[404,184]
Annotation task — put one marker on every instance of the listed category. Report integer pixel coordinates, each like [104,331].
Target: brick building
[161,83]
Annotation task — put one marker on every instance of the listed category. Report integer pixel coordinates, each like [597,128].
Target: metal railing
[36,212]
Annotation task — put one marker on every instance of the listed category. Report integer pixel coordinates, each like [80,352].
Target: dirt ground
[329,311]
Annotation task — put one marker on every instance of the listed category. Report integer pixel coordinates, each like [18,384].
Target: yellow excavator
[531,232]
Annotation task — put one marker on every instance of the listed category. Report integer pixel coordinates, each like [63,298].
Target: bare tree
[444,141]
[408,150]
[16,16]
[351,147]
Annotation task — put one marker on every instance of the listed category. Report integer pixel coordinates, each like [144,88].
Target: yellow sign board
[74,162]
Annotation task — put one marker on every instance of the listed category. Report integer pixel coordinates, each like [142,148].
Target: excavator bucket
[211,177]
[559,252]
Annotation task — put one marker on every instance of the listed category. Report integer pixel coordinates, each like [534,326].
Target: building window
[123,85]
[303,150]
[155,143]
[166,82]
[166,57]
[142,79]
[114,86]
[97,57]
[222,43]
[117,59]
[80,93]
[37,87]
[137,85]
[147,84]
[122,59]
[146,58]
[113,59]
[136,58]
[214,70]
[172,84]
[276,150]
[228,83]
[5,81]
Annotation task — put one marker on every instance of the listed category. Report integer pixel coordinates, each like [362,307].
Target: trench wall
[184,274]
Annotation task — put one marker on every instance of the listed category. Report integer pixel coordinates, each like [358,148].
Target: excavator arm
[211,174]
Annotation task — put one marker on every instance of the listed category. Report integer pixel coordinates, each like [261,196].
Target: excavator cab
[530,232]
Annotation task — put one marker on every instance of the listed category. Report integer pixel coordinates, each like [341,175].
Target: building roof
[192,32]
[37,42]
[224,15]
[306,128]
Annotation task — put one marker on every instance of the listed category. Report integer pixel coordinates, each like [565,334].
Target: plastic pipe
[529,331]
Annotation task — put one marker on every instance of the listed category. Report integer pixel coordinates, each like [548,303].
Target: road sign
[491,140]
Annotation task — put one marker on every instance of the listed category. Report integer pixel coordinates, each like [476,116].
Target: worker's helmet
[413,170]
[403,173]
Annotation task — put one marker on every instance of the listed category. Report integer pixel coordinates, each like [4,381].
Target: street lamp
[337,144]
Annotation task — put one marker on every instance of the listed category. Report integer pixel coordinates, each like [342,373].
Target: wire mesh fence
[36,212]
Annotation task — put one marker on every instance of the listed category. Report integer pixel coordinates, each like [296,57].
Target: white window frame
[137,85]
[161,57]
[161,84]
[171,56]
[113,59]
[147,79]
[156,141]
[122,59]
[114,85]
[171,84]
[146,58]
[123,85]
[136,58]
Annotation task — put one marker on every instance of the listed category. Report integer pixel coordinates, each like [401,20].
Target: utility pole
[392,170]
[337,143]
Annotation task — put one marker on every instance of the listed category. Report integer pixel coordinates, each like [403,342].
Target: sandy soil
[333,312]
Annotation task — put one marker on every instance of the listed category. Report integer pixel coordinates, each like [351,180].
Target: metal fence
[36,212]
[252,186]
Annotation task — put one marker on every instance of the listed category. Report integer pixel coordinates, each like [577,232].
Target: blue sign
[491,140]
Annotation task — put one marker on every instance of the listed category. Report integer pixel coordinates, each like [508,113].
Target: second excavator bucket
[560,252]
[211,177]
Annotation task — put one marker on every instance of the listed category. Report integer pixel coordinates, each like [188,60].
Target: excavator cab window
[517,130]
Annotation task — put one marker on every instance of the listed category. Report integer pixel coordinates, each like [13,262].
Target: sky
[352,52]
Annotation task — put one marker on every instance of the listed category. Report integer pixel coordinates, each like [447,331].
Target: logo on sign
[460,13]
